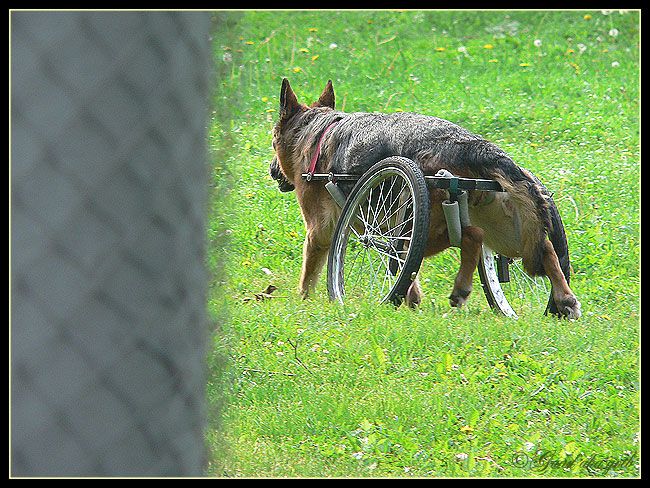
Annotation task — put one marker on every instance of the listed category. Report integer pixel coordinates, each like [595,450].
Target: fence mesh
[108,178]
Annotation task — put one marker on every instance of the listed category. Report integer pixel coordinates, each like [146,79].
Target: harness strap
[315,156]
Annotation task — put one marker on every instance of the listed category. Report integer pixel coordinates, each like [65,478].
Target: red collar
[314,158]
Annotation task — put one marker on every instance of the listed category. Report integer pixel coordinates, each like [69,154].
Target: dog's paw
[413,296]
[569,307]
[458,298]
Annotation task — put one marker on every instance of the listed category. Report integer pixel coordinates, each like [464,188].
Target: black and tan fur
[518,223]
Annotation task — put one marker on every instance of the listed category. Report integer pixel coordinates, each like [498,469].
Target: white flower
[227,57]
[462,49]
[537,42]
[333,45]
[615,64]
[582,48]
[528,446]
[461,456]
[605,12]
[613,32]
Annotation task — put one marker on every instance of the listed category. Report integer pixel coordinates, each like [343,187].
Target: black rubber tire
[357,227]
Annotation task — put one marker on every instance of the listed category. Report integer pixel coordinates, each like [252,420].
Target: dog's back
[362,139]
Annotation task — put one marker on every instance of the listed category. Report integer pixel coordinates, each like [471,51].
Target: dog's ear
[326,98]
[288,102]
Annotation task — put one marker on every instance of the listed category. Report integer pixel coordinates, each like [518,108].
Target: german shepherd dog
[521,222]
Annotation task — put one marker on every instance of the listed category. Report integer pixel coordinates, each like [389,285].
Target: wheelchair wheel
[379,240]
[509,289]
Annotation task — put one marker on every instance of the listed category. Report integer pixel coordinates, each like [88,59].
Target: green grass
[312,389]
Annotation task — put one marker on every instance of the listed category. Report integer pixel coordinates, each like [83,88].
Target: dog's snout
[274,169]
[276,173]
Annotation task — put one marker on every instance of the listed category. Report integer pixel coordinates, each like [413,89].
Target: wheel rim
[520,295]
[374,245]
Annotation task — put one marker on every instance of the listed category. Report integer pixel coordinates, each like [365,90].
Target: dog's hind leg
[470,252]
[567,303]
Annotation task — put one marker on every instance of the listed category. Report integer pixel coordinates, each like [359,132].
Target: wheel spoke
[398,208]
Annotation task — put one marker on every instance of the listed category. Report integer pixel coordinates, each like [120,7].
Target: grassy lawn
[313,389]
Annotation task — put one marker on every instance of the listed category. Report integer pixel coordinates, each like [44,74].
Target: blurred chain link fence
[108,182]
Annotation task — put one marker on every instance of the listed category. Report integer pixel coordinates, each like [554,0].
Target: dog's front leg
[470,252]
[315,249]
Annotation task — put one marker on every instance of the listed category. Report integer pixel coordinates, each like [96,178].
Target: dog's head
[285,132]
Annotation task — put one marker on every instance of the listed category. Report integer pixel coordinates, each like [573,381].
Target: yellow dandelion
[467,429]
[440,49]
[524,64]
[315,57]
[570,51]
[293,234]
[270,110]
[493,60]
[534,144]
[303,50]
[297,70]
[488,46]
[313,29]
[246,262]
[265,99]
[587,17]
[250,43]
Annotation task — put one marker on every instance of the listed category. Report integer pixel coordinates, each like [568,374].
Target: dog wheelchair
[379,241]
